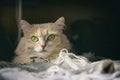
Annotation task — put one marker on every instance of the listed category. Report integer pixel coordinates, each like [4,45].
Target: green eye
[34,38]
[51,37]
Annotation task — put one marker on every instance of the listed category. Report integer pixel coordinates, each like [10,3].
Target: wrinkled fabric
[67,66]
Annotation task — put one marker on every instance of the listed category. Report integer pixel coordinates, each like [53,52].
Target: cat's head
[43,39]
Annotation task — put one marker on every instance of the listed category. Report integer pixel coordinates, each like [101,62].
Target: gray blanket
[46,71]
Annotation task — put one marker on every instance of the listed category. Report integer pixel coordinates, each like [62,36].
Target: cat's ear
[25,26]
[60,23]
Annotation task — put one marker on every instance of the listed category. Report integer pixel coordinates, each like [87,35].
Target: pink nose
[43,46]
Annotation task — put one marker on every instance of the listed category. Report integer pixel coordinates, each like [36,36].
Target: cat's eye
[51,37]
[34,39]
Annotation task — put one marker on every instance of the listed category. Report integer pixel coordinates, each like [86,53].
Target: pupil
[35,39]
[51,37]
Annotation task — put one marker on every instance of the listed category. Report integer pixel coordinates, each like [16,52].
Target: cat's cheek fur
[49,48]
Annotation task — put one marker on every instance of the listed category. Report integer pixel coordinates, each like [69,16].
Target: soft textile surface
[67,67]
[54,73]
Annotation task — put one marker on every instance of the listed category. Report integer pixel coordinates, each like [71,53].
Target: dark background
[92,25]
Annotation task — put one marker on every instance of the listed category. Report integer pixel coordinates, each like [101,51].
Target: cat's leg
[27,59]
[22,60]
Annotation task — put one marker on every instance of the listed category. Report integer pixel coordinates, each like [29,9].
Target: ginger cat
[41,41]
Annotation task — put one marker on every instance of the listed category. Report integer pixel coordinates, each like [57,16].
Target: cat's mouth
[41,51]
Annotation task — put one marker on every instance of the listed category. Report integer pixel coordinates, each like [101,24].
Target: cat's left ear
[25,26]
[60,23]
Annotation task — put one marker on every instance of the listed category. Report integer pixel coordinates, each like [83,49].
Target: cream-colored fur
[27,50]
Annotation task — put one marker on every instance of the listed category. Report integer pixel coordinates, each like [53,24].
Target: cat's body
[41,41]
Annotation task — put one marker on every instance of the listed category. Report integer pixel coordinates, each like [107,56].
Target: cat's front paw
[35,59]
[22,60]
[38,59]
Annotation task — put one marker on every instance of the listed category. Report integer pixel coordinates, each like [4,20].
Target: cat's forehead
[47,28]
[44,25]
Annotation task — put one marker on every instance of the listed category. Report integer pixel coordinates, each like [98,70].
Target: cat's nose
[43,46]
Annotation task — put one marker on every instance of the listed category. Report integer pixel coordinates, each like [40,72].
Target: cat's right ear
[25,26]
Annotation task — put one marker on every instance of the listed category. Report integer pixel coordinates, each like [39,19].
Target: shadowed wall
[94,22]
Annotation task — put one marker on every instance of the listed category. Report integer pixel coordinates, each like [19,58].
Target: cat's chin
[43,51]
[42,54]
